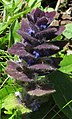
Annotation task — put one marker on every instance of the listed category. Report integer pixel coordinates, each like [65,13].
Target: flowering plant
[35,51]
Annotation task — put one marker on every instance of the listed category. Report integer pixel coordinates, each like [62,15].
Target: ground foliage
[49,95]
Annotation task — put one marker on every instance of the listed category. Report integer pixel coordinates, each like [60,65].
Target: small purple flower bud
[38,103]
[43,26]
[31,31]
[35,108]
[35,105]
[30,61]
[36,54]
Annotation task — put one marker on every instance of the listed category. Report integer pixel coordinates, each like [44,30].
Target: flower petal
[34,27]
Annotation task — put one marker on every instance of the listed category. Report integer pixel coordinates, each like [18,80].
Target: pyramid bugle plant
[35,51]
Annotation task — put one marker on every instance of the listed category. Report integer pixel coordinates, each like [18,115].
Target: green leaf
[13,18]
[3,40]
[8,89]
[31,2]
[14,32]
[13,35]
[11,102]
[37,4]
[59,38]
[66,64]
[34,3]
[49,9]
[63,94]
[5,2]
[68,31]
